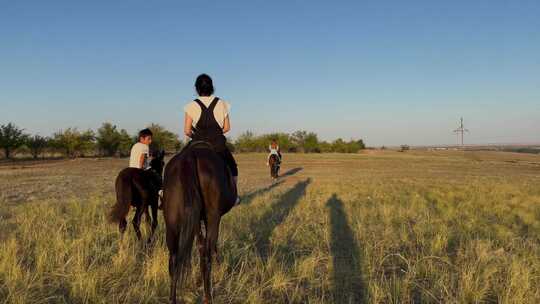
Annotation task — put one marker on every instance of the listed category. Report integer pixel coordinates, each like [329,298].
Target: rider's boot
[160,193]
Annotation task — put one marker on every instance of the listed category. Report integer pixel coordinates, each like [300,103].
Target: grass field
[414,227]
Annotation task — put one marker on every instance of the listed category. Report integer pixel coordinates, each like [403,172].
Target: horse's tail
[190,216]
[123,199]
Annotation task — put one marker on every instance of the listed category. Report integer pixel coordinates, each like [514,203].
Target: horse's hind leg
[154,223]
[217,256]
[205,254]
[147,217]
[137,222]
[148,224]
[212,249]
[172,244]
[212,232]
[122,225]
[201,245]
[212,235]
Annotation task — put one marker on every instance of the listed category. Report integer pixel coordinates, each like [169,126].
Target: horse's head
[157,163]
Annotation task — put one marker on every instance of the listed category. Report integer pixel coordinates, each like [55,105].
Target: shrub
[11,138]
[37,144]
[108,139]
[74,143]
[164,139]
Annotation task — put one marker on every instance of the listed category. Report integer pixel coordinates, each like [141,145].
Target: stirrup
[160,195]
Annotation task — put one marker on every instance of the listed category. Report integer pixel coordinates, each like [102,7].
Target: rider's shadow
[347,283]
[275,216]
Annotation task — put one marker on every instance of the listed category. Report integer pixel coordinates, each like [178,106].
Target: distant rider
[274,150]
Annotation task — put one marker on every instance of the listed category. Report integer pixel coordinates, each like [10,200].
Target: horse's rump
[212,175]
[182,209]
[274,165]
[273,158]
[186,174]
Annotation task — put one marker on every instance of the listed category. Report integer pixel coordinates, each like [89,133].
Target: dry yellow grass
[415,227]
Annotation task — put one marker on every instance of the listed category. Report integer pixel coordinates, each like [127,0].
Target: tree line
[109,140]
[299,141]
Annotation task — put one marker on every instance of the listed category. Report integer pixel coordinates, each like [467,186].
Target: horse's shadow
[348,285]
[292,171]
[248,198]
[145,249]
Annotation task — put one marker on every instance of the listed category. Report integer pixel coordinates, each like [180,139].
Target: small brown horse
[274,166]
[198,189]
[140,189]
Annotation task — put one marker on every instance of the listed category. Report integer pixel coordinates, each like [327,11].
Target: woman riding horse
[207,119]
[199,187]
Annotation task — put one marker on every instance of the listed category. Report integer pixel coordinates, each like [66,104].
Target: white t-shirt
[137,150]
[221,111]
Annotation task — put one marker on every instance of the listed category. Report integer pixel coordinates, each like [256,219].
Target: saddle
[195,143]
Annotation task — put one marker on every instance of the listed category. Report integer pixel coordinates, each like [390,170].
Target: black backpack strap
[203,107]
[213,104]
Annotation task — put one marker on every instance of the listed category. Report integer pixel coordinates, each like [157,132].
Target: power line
[460,131]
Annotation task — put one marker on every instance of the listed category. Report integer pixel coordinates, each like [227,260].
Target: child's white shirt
[273,151]
[137,150]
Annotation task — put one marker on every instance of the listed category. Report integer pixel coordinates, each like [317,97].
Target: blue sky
[390,72]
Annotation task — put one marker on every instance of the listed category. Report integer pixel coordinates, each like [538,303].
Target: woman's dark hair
[204,85]
[145,133]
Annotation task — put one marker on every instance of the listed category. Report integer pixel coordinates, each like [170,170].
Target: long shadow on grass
[348,286]
[292,171]
[275,216]
[247,198]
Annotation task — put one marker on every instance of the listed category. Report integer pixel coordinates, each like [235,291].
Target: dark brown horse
[140,189]
[198,190]
[274,166]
